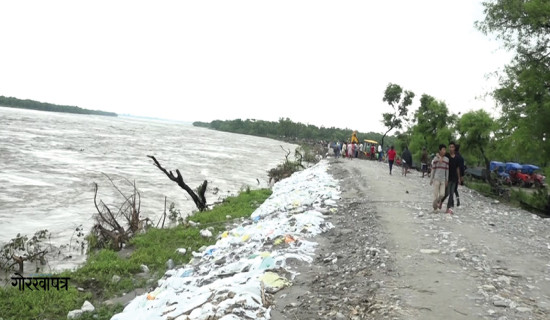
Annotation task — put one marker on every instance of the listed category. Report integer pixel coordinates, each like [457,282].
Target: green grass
[481,187]
[237,207]
[153,249]
[53,304]
[537,199]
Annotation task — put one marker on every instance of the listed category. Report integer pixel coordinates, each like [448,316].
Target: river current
[50,162]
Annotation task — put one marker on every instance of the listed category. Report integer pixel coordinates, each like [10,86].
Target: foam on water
[50,162]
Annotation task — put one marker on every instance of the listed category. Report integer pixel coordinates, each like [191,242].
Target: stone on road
[397,259]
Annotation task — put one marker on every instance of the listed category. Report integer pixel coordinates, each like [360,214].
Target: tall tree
[433,125]
[524,93]
[399,100]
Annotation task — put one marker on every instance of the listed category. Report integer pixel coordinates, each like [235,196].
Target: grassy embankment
[152,249]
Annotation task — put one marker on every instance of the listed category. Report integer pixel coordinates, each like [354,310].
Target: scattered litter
[230,279]
[206,233]
[429,251]
[273,282]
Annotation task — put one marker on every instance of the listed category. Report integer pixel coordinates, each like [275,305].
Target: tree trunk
[200,200]
[384,136]
[487,168]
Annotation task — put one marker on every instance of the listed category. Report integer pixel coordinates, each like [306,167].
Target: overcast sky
[318,62]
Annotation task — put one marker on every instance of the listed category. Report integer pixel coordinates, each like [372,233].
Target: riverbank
[107,277]
[236,277]
[50,162]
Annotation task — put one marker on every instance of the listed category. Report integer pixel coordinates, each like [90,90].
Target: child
[440,176]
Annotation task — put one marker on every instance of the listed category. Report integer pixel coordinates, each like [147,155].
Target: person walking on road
[424,161]
[407,161]
[372,150]
[460,163]
[391,157]
[454,175]
[440,176]
[344,149]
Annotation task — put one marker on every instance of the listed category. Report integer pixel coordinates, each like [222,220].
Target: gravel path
[390,257]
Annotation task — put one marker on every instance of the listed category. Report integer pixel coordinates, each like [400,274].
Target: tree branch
[200,200]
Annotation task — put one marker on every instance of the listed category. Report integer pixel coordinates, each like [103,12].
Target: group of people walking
[447,168]
[406,160]
[352,150]
[447,172]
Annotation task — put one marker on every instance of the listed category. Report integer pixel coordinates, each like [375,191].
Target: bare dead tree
[287,168]
[108,227]
[198,198]
[287,153]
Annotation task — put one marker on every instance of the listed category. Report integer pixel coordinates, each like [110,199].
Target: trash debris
[248,262]
[144,268]
[170,264]
[429,251]
[206,233]
[289,239]
[273,282]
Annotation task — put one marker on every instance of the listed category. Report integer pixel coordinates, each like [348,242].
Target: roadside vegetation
[107,274]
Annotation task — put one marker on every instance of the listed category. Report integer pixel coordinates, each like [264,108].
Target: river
[50,162]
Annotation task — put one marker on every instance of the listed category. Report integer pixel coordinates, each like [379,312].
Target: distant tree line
[12,102]
[288,130]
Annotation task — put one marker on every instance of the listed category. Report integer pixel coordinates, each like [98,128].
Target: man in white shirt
[380,154]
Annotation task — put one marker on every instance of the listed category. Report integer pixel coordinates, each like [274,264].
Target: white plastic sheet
[225,279]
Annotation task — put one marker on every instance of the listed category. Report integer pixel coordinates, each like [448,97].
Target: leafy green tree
[525,100]
[476,129]
[524,93]
[433,125]
[399,100]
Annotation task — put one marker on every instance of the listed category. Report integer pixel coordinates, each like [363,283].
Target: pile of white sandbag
[233,279]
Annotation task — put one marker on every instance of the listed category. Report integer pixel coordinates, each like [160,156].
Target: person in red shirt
[391,157]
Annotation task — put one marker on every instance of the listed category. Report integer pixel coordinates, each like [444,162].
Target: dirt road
[390,257]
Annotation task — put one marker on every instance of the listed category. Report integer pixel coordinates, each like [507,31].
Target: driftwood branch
[19,260]
[133,217]
[108,228]
[287,152]
[199,199]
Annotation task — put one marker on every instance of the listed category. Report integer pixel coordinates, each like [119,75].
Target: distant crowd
[445,168]
[352,150]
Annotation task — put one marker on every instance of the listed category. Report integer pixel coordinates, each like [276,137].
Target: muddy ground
[391,257]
